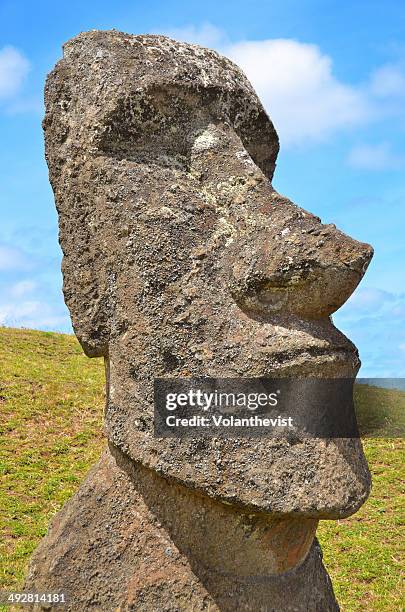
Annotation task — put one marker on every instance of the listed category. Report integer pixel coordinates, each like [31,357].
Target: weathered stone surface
[112,548]
[180,259]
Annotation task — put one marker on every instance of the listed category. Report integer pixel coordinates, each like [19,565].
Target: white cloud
[14,68]
[33,301]
[307,102]
[30,294]
[296,84]
[366,299]
[387,81]
[374,320]
[206,35]
[19,310]
[12,258]
[294,81]
[34,314]
[22,288]
[375,157]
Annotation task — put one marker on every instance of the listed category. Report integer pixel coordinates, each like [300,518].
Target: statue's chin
[222,538]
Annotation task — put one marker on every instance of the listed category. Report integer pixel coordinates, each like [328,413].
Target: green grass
[380,412]
[51,400]
[364,553]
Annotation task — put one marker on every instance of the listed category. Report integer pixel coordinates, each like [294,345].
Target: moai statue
[180,260]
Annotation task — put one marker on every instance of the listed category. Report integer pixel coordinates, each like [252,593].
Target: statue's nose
[298,266]
[282,258]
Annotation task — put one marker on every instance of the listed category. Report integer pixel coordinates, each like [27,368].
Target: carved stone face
[180,259]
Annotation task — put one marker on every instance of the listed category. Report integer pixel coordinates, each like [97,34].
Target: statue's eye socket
[156,127]
[159,126]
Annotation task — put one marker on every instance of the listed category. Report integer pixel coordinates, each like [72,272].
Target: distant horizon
[383,382]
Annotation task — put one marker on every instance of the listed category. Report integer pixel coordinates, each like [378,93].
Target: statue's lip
[338,356]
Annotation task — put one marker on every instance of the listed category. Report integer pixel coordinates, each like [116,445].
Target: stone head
[180,259]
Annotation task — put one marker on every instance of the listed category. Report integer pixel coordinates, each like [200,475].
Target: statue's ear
[85,288]
[86,277]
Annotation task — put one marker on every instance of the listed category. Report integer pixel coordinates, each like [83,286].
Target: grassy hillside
[51,400]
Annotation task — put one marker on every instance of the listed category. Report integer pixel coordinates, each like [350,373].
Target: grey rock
[180,259]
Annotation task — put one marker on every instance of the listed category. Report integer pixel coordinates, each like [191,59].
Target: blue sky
[332,77]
